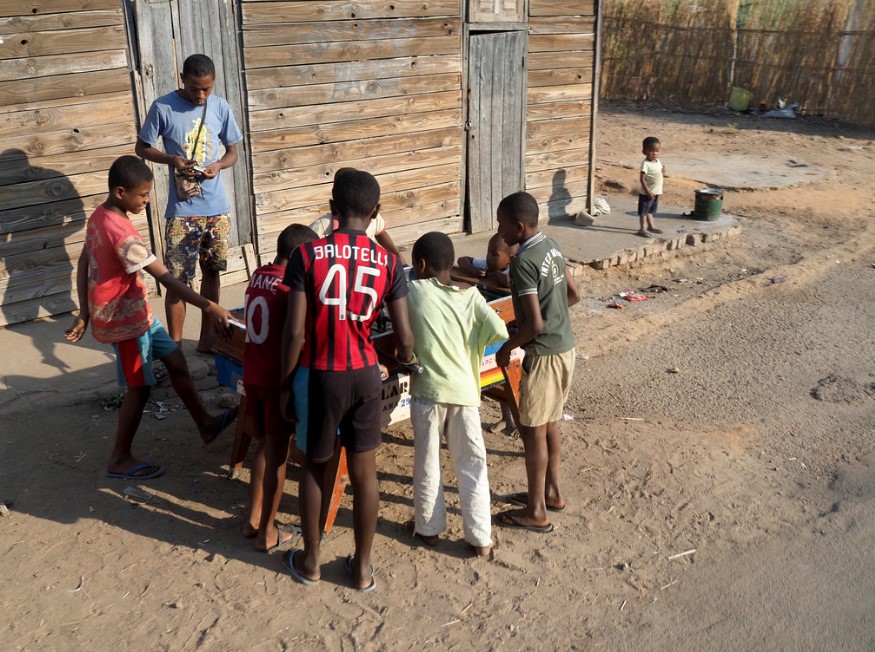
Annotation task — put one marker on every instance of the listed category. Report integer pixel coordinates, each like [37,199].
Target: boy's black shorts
[647,206]
[348,401]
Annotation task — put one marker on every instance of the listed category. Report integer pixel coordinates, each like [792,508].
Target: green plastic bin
[709,204]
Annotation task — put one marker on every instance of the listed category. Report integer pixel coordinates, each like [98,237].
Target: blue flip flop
[289,563]
[131,474]
[370,587]
[227,419]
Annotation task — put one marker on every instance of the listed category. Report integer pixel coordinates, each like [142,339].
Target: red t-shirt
[346,276]
[116,292]
[266,303]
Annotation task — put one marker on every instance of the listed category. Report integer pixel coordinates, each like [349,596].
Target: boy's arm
[492,327]
[644,185]
[466,264]
[529,324]
[293,335]
[497,279]
[214,311]
[385,240]
[80,323]
[293,342]
[573,294]
[401,329]
[152,153]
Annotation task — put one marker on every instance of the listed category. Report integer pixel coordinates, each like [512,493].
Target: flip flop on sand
[143,471]
[509,519]
[289,563]
[370,587]
[228,417]
[281,543]
[522,499]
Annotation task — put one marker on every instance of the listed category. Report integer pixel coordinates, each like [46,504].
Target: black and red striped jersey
[266,304]
[346,276]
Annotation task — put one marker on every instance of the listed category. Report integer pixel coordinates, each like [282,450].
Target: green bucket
[709,204]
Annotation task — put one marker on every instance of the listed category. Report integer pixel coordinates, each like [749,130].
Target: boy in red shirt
[266,305]
[112,291]
[337,285]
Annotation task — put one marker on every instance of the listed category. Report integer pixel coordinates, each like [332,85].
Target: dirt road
[730,505]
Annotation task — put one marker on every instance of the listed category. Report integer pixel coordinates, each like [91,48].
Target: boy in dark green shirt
[542,289]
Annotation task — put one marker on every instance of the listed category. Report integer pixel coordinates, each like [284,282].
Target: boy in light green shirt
[451,328]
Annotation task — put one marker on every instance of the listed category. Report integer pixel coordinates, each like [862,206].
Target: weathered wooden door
[164,33]
[496,118]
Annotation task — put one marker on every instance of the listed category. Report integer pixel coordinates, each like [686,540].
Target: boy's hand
[220,318]
[502,356]
[184,165]
[77,329]
[211,171]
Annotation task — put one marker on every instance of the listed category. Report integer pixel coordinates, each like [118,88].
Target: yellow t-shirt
[451,328]
[652,175]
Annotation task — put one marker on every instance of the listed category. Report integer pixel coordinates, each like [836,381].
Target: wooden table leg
[337,470]
[242,439]
[513,374]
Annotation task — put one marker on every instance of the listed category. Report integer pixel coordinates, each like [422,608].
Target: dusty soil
[729,505]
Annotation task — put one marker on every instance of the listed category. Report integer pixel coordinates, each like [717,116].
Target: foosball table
[498,383]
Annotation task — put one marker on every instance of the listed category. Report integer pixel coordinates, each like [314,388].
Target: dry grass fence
[820,53]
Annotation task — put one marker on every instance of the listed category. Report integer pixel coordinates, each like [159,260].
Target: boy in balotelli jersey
[266,304]
[337,285]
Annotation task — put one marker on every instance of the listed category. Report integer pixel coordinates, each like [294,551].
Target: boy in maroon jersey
[266,306]
[337,285]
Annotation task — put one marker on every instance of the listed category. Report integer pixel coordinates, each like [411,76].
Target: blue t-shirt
[176,120]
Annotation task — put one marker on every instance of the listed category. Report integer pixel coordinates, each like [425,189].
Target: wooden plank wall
[66,112]
[560,104]
[372,85]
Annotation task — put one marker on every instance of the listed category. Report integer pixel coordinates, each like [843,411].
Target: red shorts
[263,407]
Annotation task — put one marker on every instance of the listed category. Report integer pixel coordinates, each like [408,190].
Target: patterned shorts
[196,239]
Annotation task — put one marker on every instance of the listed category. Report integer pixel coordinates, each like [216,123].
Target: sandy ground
[728,506]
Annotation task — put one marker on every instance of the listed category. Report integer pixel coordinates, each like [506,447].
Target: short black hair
[199,65]
[650,141]
[292,237]
[355,193]
[129,172]
[521,207]
[436,249]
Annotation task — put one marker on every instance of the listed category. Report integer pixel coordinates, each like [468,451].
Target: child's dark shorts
[264,408]
[646,205]
[332,403]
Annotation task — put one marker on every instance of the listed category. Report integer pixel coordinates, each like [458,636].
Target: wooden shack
[452,104]
[66,112]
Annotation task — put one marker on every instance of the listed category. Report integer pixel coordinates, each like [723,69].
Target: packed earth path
[719,465]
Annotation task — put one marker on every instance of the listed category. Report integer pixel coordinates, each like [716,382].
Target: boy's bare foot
[499,426]
[284,538]
[216,424]
[205,346]
[430,541]
[133,469]
[653,229]
[248,531]
[643,233]
[518,519]
[522,499]
[296,572]
[480,551]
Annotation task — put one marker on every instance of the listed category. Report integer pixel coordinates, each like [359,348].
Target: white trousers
[461,425]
